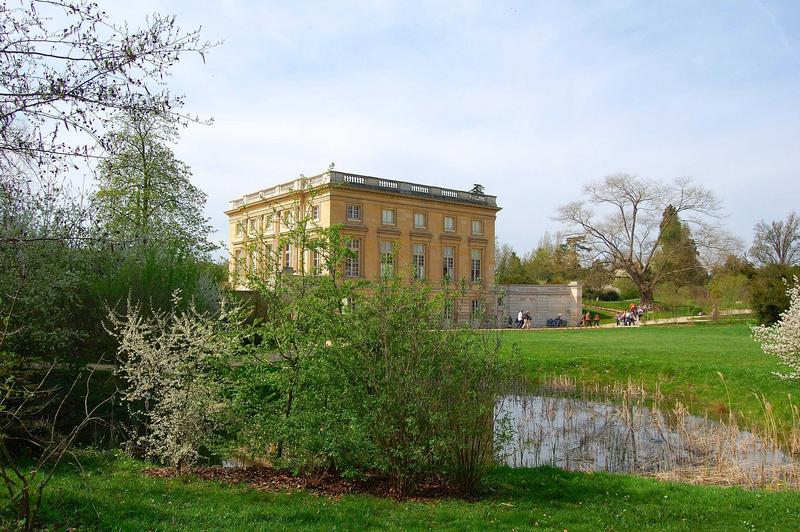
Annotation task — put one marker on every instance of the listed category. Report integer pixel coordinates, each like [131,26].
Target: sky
[530,99]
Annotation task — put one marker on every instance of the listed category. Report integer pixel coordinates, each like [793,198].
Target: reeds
[626,428]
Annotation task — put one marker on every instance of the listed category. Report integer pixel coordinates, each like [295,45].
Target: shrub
[170,363]
[768,296]
[782,339]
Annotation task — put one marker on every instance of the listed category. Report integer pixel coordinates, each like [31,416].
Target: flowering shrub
[782,339]
[169,363]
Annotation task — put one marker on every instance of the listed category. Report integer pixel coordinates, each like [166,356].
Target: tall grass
[627,428]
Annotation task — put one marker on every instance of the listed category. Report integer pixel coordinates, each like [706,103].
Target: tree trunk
[645,294]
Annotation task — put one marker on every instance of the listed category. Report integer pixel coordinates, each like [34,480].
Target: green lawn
[683,359]
[114,495]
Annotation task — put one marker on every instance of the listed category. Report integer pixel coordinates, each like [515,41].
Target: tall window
[266,222]
[252,259]
[266,259]
[420,220]
[287,256]
[448,311]
[387,216]
[316,263]
[354,213]
[476,308]
[449,224]
[475,273]
[352,263]
[253,226]
[237,261]
[477,227]
[418,261]
[448,263]
[387,259]
[315,213]
[239,229]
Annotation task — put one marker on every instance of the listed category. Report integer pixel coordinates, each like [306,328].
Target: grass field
[684,360]
[112,494]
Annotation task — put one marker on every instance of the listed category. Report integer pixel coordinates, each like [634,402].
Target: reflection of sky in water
[591,436]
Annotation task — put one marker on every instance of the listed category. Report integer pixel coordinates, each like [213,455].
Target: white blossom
[782,339]
[166,362]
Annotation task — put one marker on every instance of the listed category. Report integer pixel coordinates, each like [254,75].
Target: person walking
[519,320]
[527,318]
[596,320]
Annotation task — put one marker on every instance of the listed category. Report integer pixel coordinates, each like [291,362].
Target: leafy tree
[510,269]
[145,195]
[777,242]
[46,266]
[621,220]
[768,297]
[782,339]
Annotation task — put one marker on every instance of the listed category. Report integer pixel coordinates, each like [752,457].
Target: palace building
[393,226]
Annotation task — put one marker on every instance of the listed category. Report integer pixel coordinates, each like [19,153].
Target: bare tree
[777,242]
[622,220]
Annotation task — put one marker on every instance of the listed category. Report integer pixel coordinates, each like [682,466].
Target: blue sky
[531,99]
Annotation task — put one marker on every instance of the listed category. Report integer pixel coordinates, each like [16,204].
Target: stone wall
[544,302]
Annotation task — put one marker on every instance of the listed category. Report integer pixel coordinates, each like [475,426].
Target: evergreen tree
[677,259]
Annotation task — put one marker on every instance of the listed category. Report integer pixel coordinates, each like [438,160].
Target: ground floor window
[476,308]
[387,259]
[352,263]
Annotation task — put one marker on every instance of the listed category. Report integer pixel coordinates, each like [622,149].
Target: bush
[768,296]
[729,290]
[361,378]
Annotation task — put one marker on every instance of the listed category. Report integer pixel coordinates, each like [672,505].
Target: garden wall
[543,301]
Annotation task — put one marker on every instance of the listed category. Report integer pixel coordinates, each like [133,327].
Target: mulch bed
[271,480]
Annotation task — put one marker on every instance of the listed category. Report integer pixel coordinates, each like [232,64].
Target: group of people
[632,316]
[523,319]
[587,320]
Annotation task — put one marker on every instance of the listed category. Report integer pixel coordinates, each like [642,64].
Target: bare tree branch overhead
[64,65]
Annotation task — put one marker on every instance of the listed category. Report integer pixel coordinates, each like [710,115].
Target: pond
[631,437]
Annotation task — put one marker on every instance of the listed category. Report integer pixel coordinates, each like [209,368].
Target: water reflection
[585,435]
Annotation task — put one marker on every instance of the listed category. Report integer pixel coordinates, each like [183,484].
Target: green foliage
[549,262]
[730,290]
[144,195]
[627,288]
[359,377]
[768,292]
[676,260]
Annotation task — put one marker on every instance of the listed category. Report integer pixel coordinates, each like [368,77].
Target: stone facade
[544,302]
[432,231]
